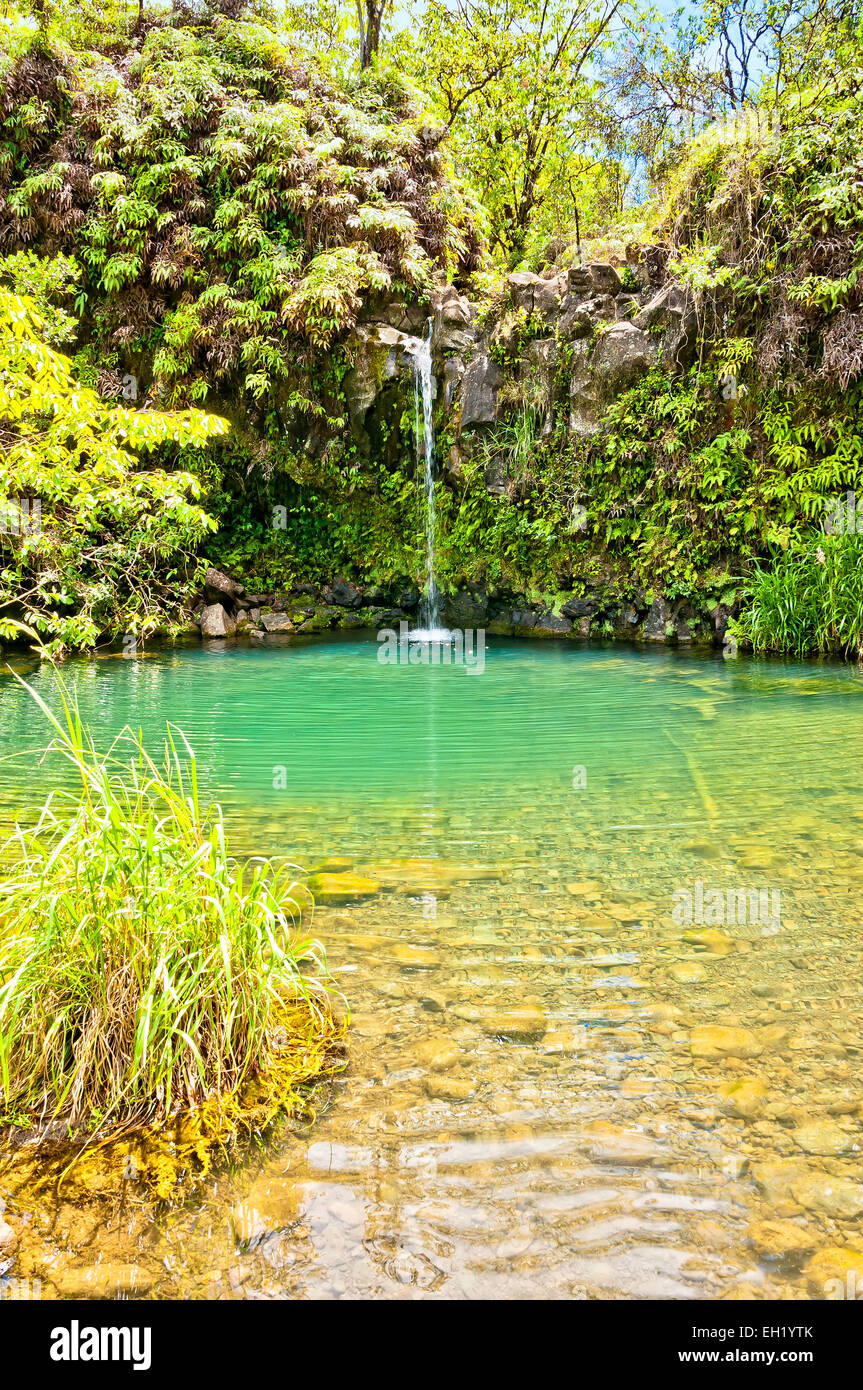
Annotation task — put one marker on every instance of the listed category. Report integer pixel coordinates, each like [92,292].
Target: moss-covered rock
[345,887]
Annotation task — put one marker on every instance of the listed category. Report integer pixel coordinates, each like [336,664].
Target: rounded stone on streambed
[845,1100]
[593,922]
[732,1164]
[437,1054]
[823,1137]
[620,893]
[630,913]
[687,972]
[777,1239]
[836,1272]
[636,1087]
[568,1040]
[452,1088]
[371,1026]
[101,1281]
[608,1143]
[703,849]
[768,990]
[774,1037]
[584,888]
[415,957]
[776,1176]
[344,887]
[711,940]
[839,1198]
[744,1098]
[711,1040]
[522,1024]
[8,1239]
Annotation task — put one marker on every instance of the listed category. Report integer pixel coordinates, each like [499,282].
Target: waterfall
[424,424]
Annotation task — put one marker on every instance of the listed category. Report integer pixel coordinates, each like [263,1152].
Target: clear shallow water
[533,1106]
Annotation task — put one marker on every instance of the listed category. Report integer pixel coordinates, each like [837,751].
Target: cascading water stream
[424,423]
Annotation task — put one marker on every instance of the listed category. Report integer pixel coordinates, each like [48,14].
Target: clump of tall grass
[809,600]
[144,972]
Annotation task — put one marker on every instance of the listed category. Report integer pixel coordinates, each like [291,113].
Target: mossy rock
[321,620]
[342,887]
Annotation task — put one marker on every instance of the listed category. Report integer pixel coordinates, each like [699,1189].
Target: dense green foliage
[810,600]
[90,538]
[742,453]
[696,469]
[747,450]
[230,208]
[218,203]
[229,212]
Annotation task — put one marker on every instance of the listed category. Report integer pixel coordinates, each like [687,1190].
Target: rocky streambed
[552,1092]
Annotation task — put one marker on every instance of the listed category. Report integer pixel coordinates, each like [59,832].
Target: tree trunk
[370,28]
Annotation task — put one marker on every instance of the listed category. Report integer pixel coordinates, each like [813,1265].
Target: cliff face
[569,344]
[588,341]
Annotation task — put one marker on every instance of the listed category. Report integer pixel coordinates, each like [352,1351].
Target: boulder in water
[215,622]
[342,887]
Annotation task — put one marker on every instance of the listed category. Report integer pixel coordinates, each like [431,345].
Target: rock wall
[573,341]
[227,610]
[612,336]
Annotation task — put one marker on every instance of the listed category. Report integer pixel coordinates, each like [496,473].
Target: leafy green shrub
[809,600]
[99,535]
